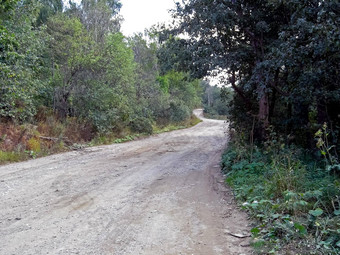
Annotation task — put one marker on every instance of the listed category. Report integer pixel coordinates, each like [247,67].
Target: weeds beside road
[293,198]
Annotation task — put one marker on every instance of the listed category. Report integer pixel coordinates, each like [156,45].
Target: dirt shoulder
[160,195]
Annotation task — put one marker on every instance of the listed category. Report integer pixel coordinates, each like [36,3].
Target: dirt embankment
[159,195]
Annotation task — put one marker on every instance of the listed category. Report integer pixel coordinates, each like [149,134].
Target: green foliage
[179,112]
[325,148]
[48,8]
[21,68]
[118,61]
[72,52]
[181,93]
[292,200]
[9,156]
[281,58]
[90,83]
[141,125]
[216,101]
[63,66]
[6,6]
[100,17]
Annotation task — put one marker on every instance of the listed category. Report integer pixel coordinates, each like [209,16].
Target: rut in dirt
[160,195]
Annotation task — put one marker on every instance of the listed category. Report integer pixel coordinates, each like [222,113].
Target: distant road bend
[159,195]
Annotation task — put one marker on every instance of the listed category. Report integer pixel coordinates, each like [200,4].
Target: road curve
[159,195]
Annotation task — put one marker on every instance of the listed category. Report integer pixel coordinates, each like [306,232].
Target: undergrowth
[215,116]
[193,121]
[293,198]
[10,156]
[50,135]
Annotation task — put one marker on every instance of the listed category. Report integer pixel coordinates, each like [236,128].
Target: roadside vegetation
[27,141]
[292,196]
[216,101]
[70,79]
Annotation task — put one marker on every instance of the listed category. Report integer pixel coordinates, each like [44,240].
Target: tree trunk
[321,111]
[272,105]
[273,99]
[263,113]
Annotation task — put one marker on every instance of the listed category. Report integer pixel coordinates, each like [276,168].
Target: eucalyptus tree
[100,17]
[49,8]
[148,94]
[71,51]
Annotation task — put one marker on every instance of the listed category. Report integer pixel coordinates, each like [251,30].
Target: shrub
[33,144]
[141,125]
[9,156]
[293,202]
[179,112]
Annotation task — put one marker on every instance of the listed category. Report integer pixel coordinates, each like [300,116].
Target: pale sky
[141,14]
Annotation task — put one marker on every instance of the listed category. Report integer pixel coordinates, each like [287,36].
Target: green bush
[293,202]
[141,125]
[9,156]
[179,112]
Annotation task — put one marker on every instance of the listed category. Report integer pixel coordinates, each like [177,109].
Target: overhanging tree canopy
[281,57]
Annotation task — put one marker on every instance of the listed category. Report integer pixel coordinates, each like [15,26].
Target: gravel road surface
[159,195]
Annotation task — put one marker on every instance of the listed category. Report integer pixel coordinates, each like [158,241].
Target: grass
[293,201]
[193,121]
[215,116]
[31,146]
[10,156]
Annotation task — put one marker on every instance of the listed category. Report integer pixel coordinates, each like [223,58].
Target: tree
[91,80]
[227,35]
[100,17]
[21,62]
[74,62]
[6,39]
[148,93]
[184,94]
[72,54]
[267,50]
[216,100]
[48,9]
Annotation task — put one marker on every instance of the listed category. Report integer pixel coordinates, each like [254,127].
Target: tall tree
[145,56]
[101,17]
[71,51]
[48,9]
[21,63]
[266,50]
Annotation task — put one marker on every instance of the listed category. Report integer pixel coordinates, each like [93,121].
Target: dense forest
[282,60]
[69,76]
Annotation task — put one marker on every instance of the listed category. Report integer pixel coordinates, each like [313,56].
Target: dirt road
[159,195]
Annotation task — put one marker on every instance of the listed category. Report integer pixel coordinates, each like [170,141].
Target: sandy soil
[159,195]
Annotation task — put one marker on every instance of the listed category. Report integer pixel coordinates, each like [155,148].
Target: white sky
[141,14]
